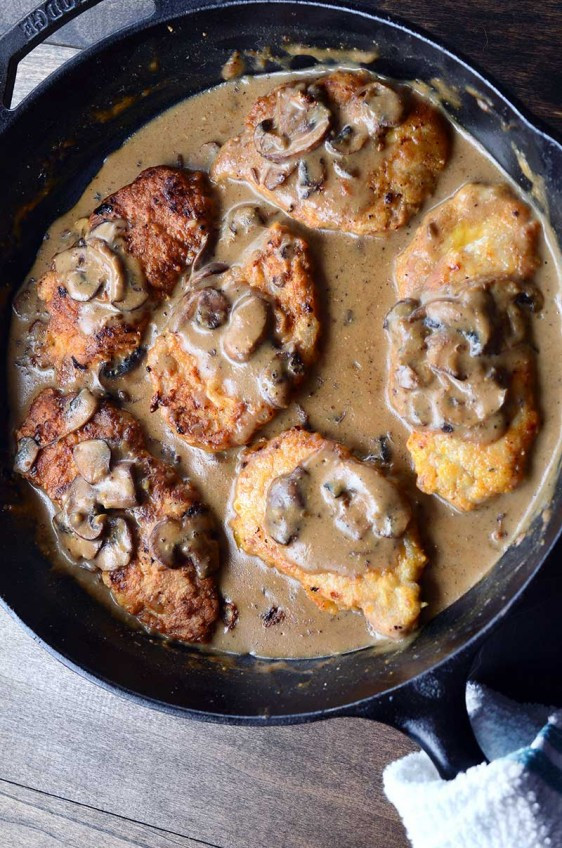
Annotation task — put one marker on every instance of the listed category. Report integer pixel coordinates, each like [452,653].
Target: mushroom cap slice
[27,452]
[381,106]
[117,550]
[79,510]
[77,547]
[88,266]
[211,308]
[81,278]
[117,489]
[135,293]
[299,123]
[79,410]
[92,458]
[247,326]
[375,107]
[175,542]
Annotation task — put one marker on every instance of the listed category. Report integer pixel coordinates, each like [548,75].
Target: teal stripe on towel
[537,762]
[553,735]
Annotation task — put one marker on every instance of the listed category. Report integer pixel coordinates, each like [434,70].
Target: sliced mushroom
[82,277]
[76,546]
[344,173]
[118,368]
[379,106]
[211,269]
[117,489]
[286,506]
[246,328]
[92,458]
[117,549]
[311,176]
[79,410]
[362,500]
[135,293]
[276,381]
[276,174]
[374,108]
[85,267]
[211,308]
[26,453]
[79,510]
[190,540]
[243,218]
[348,140]
[298,124]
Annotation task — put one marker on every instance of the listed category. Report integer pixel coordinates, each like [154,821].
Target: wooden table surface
[82,767]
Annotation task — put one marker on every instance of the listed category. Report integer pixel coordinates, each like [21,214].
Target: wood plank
[35,67]
[300,787]
[30,819]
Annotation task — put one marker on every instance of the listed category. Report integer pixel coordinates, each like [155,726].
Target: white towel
[515,801]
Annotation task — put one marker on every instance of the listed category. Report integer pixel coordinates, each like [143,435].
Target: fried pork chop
[482,237]
[237,344]
[123,512]
[343,151]
[130,254]
[482,231]
[375,573]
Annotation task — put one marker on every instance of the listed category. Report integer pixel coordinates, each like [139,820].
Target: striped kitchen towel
[514,801]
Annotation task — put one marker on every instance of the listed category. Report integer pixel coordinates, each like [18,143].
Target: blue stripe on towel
[537,762]
[553,735]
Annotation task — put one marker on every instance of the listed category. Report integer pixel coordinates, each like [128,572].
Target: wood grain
[307,786]
[35,67]
[36,820]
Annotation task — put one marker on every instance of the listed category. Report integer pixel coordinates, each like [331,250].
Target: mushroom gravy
[344,396]
[336,514]
[452,355]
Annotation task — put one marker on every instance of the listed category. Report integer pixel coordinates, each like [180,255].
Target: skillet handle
[30,31]
[431,710]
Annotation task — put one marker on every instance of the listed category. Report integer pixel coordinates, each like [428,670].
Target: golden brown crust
[169,215]
[390,600]
[415,152]
[69,349]
[467,474]
[201,412]
[481,230]
[173,602]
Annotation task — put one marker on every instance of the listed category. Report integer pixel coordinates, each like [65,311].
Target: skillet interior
[50,153]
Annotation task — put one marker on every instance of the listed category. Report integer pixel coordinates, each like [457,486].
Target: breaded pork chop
[482,230]
[387,592]
[132,250]
[123,511]
[237,344]
[481,233]
[344,151]
[466,474]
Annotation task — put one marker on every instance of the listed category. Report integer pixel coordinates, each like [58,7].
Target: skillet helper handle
[431,710]
[30,31]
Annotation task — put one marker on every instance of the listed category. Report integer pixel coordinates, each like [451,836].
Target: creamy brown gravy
[453,354]
[344,396]
[337,515]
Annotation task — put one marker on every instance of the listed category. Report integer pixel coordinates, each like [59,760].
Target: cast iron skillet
[51,146]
